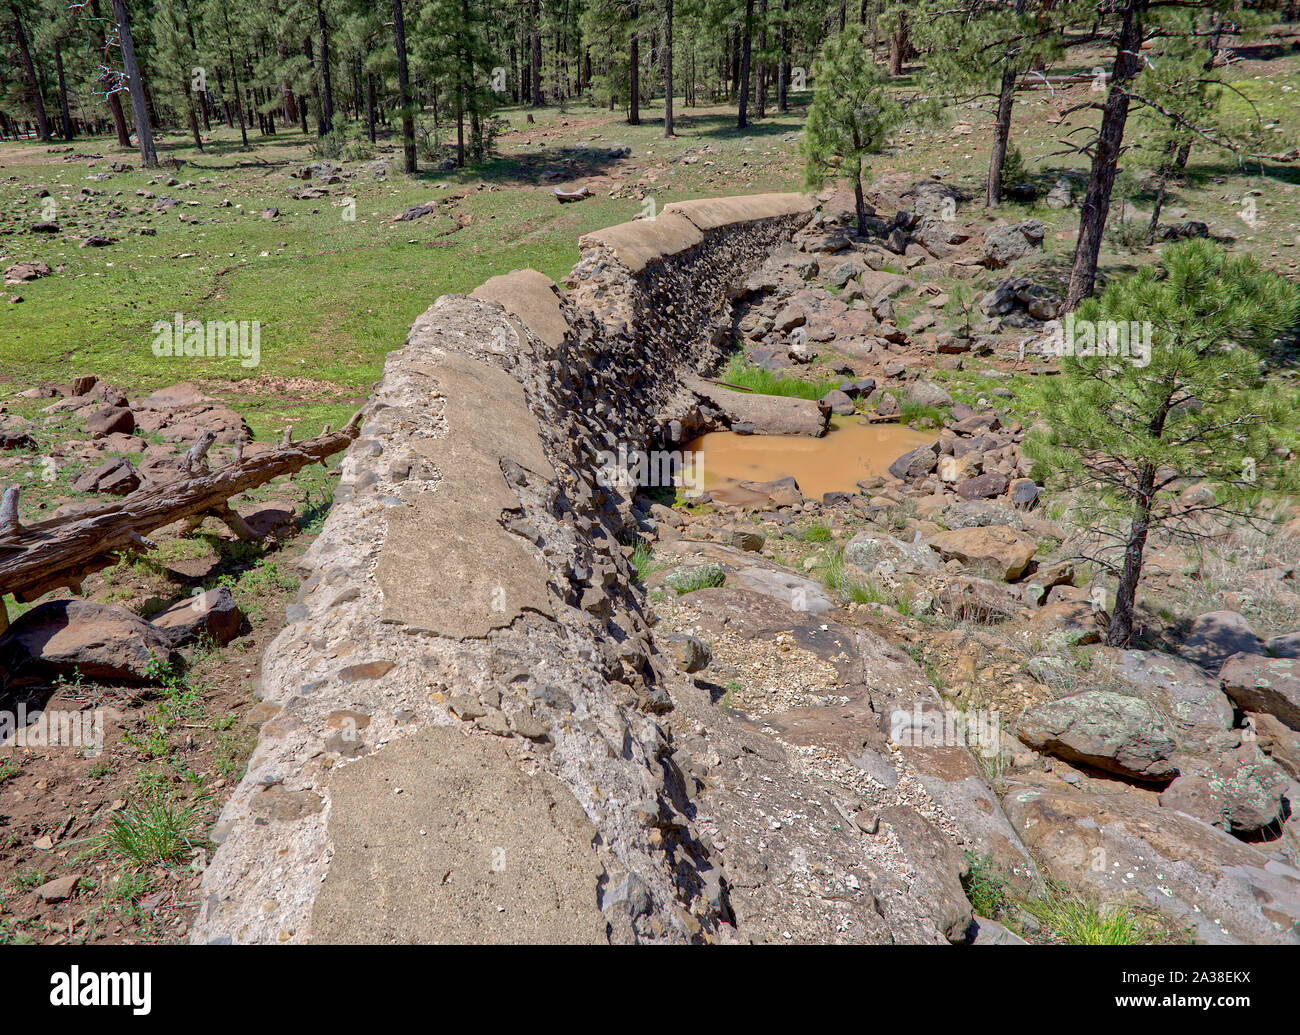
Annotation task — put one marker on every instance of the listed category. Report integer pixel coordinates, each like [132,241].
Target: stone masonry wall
[472,735]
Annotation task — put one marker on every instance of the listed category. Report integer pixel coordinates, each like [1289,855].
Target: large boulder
[982,486]
[1111,731]
[884,555]
[915,463]
[927,393]
[977,600]
[1178,688]
[1241,791]
[1005,244]
[116,477]
[20,272]
[213,615]
[70,637]
[1002,550]
[879,283]
[1068,623]
[110,420]
[1120,846]
[1269,685]
[1215,637]
[1285,646]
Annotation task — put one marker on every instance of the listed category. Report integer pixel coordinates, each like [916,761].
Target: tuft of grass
[11,935]
[1073,919]
[32,877]
[123,895]
[728,700]
[919,416]
[644,562]
[818,533]
[152,832]
[8,770]
[688,580]
[985,885]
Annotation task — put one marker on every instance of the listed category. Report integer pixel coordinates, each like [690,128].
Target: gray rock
[1004,245]
[926,393]
[692,654]
[1181,690]
[915,463]
[1240,791]
[1284,646]
[1111,731]
[838,402]
[213,615]
[1259,684]
[884,555]
[1214,637]
[1120,845]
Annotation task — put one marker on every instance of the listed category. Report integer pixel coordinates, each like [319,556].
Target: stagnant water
[852,450]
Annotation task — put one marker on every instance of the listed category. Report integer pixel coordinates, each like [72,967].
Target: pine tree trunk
[194,123]
[64,111]
[783,64]
[634,71]
[135,86]
[897,45]
[1105,158]
[668,68]
[860,201]
[1121,620]
[370,106]
[535,53]
[33,84]
[403,90]
[225,104]
[1001,134]
[742,115]
[119,120]
[326,124]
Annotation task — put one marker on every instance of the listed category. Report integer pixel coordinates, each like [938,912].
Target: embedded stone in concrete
[440,837]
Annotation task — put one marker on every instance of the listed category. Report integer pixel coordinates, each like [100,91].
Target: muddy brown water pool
[852,450]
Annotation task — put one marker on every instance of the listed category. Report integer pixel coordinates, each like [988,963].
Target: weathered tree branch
[61,552]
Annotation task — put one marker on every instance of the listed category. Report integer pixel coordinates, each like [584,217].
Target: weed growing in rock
[151,832]
[985,886]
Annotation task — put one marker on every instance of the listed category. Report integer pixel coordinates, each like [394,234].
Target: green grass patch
[151,832]
[764,382]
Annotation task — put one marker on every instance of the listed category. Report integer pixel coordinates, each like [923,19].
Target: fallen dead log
[37,558]
[565,197]
[765,414]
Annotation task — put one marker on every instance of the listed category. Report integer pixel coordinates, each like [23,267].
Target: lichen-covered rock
[1260,684]
[1005,552]
[1111,731]
[1119,846]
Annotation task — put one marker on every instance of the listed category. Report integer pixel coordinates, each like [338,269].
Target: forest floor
[334,281]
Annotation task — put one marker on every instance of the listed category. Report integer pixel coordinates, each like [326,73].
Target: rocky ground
[105,841]
[1160,776]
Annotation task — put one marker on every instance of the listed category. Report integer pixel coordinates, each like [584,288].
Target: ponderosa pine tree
[1161,386]
[982,47]
[855,112]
